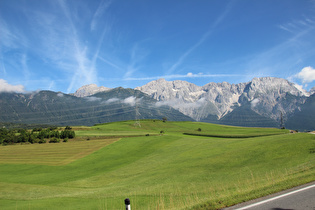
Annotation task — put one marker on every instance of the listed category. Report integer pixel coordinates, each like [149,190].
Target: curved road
[298,198]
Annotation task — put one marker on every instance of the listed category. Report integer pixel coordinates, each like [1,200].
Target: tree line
[36,135]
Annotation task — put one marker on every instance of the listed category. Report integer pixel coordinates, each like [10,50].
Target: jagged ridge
[268,96]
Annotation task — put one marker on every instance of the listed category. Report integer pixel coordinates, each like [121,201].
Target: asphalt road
[298,198]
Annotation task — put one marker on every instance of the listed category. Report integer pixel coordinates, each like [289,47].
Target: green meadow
[158,165]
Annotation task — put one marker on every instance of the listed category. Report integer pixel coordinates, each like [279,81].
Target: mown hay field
[166,170]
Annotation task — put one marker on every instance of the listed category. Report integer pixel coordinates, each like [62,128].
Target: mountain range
[261,102]
[47,107]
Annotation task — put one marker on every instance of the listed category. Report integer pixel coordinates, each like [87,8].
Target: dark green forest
[35,135]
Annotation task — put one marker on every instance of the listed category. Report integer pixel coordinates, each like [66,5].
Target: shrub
[42,141]
[65,140]
[54,140]
[67,134]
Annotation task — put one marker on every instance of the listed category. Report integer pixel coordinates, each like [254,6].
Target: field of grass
[169,171]
[51,154]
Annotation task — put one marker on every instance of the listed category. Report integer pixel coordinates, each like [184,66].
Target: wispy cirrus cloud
[285,55]
[85,72]
[61,45]
[111,63]
[2,67]
[297,26]
[101,9]
[11,39]
[203,38]
[26,71]
[137,55]
[8,38]
[60,42]
[180,76]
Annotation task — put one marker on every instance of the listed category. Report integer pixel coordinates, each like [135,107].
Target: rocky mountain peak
[266,94]
[163,90]
[273,85]
[88,90]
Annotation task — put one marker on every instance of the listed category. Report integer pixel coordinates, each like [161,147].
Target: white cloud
[112,100]
[254,102]
[5,87]
[307,75]
[179,104]
[189,74]
[92,98]
[166,103]
[60,95]
[130,100]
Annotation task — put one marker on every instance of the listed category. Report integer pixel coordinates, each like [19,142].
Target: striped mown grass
[53,154]
[171,171]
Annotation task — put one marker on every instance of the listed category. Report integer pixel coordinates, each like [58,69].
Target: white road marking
[275,198]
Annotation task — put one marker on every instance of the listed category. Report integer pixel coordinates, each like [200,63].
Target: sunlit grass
[50,154]
[171,171]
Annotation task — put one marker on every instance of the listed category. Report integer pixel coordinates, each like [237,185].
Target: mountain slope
[305,118]
[269,97]
[46,107]
[260,102]
[245,116]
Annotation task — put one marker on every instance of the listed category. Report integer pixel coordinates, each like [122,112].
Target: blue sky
[60,45]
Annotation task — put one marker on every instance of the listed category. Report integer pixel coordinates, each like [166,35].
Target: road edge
[257,200]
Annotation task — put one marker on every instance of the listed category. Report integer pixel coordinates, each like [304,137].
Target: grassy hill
[169,171]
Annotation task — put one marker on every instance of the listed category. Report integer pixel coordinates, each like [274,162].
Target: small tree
[164,119]
[42,141]
[281,121]
[54,140]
